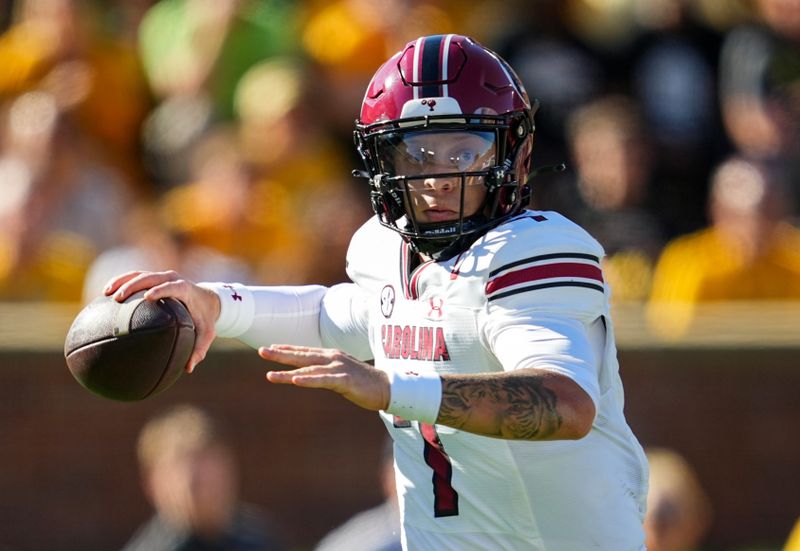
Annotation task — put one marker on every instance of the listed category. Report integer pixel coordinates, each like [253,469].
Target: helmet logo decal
[431,106]
[431,103]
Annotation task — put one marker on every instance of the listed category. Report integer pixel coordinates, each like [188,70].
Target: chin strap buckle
[495,178]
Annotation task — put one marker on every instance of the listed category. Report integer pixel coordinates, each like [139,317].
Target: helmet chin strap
[443,248]
[547,169]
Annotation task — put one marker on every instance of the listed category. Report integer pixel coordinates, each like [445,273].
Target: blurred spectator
[793,543]
[140,85]
[760,82]
[376,529]
[61,203]
[678,510]
[149,244]
[749,252]
[608,28]
[257,189]
[60,47]
[301,166]
[190,476]
[347,39]
[760,85]
[194,54]
[203,47]
[672,74]
[608,190]
[556,66]
[225,207]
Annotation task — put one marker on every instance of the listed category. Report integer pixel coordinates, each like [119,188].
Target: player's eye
[420,157]
[464,159]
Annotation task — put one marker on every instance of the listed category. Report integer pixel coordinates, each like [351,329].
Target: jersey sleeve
[550,343]
[549,265]
[546,300]
[343,320]
[260,316]
[310,315]
[372,254]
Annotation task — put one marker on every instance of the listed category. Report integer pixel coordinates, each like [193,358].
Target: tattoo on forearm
[523,408]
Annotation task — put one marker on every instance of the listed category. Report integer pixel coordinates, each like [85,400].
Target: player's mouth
[439,215]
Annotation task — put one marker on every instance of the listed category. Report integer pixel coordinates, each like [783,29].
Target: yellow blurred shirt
[704,267]
[54,272]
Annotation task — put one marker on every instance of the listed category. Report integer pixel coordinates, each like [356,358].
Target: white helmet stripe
[445,59]
[416,69]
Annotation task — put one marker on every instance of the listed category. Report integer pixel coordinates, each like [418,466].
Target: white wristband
[236,308]
[415,395]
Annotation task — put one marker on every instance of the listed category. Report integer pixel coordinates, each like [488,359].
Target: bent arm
[526,404]
[549,386]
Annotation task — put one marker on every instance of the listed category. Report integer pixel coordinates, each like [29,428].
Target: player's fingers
[175,288]
[143,281]
[309,379]
[113,284]
[295,356]
[297,348]
[284,377]
[311,350]
[361,384]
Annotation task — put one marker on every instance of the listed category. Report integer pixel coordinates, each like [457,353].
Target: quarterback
[493,365]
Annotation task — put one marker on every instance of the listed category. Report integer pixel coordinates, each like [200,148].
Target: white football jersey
[529,293]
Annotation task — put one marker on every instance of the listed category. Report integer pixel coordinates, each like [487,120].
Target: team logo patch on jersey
[544,272]
[387,301]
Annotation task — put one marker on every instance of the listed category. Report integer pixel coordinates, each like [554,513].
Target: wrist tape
[415,395]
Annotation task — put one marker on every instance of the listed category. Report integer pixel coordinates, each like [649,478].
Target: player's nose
[442,185]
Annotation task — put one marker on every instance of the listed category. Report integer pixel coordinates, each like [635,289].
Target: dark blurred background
[215,137]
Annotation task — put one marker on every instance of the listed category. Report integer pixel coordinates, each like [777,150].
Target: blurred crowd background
[215,137]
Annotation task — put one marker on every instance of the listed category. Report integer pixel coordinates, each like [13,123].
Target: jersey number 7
[445,498]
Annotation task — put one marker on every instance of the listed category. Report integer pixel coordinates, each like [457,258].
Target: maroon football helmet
[451,86]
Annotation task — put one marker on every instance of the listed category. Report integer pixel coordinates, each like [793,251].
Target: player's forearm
[261,316]
[522,405]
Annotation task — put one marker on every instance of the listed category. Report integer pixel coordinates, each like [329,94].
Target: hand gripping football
[131,350]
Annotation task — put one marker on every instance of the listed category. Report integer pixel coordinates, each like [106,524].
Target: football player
[495,367]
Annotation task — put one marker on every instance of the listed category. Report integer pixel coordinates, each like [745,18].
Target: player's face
[432,162]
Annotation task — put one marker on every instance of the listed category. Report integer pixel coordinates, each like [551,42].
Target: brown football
[131,350]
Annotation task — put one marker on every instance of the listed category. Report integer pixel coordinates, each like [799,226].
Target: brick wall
[69,479]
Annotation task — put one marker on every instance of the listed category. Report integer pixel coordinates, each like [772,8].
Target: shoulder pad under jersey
[373,255]
[544,262]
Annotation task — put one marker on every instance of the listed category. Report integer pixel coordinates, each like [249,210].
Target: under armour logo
[431,103]
[436,304]
[234,295]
